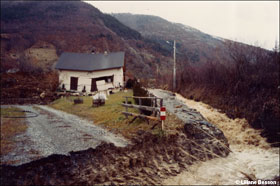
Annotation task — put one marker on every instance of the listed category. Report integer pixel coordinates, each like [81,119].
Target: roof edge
[90,70]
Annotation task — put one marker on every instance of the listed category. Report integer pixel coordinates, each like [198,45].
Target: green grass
[110,115]
[10,127]
[11,112]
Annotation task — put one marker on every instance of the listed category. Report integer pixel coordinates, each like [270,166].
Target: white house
[91,72]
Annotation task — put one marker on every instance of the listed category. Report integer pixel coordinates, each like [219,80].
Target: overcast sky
[252,22]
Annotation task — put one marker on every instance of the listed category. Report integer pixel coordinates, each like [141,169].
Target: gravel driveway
[57,132]
[177,107]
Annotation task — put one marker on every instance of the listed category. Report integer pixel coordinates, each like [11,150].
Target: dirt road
[57,132]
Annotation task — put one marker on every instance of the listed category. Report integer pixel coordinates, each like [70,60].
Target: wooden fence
[156,104]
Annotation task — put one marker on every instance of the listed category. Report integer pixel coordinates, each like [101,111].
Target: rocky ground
[196,126]
[149,159]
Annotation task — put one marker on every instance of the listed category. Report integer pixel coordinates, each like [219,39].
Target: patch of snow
[219,38]
[12,70]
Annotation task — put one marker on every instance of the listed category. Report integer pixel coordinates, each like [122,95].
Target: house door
[93,85]
[73,83]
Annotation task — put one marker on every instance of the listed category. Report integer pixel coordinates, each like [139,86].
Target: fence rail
[154,100]
[141,116]
[157,103]
[141,107]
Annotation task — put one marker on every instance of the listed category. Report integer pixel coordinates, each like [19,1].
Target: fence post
[162,116]
[156,110]
[126,108]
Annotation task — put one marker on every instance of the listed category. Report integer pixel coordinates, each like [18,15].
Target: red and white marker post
[162,116]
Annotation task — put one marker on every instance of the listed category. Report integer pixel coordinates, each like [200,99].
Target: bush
[26,85]
[130,83]
[139,91]
[84,89]
[27,67]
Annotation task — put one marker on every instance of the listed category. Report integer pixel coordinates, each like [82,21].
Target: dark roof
[90,62]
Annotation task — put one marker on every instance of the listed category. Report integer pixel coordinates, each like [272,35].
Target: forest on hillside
[247,88]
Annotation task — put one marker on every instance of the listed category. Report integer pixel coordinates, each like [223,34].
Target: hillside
[239,79]
[193,45]
[38,32]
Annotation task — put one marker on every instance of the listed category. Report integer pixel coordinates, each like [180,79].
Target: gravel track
[57,132]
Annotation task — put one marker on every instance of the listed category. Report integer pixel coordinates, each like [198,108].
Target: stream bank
[251,154]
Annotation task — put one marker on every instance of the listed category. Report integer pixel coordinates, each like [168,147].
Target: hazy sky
[252,22]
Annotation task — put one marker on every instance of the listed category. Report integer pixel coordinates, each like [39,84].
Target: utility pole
[157,70]
[174,67]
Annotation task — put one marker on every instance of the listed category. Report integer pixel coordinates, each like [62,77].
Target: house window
[93,85]
[107,79]
[74,83]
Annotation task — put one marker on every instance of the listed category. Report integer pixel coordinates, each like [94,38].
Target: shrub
[84,89]
[139,91]
[27,67]
[130,83]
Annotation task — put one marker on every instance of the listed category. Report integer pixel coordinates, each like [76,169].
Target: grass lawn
[10,127]
[108,116]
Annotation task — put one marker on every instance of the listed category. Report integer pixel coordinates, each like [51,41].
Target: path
[57,132]
[176,106]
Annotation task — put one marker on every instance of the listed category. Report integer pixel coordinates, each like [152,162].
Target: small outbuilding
[81,72]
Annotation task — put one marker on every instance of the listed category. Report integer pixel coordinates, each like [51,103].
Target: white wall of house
[84,79]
